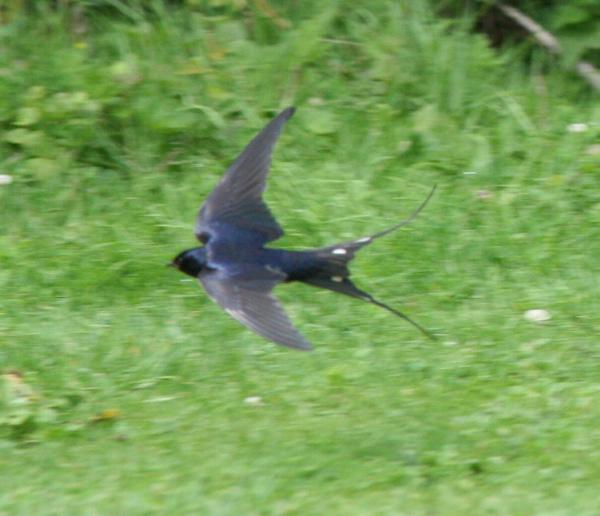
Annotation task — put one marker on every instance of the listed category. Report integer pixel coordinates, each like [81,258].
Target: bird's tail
[333,273]
[335,258]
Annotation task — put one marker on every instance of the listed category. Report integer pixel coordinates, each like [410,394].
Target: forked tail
[334,273]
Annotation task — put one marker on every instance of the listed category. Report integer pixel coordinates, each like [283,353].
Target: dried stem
[550,42]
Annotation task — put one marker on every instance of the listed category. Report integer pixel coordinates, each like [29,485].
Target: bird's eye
[204,237]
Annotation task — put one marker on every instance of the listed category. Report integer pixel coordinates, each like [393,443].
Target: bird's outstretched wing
[236,202]
[249,300]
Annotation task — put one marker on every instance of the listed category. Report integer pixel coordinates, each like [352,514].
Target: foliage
[127,390]
[574,23]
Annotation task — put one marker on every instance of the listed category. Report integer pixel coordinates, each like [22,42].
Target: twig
[268,11]
[589,72]
[550,42]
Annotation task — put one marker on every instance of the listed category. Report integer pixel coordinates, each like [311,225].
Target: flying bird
[236,269]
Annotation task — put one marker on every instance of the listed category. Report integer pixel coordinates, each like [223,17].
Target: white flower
[254,401]
[578,127]
[537,315]
[5,179]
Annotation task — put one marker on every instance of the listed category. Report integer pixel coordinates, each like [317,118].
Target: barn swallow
[236,269]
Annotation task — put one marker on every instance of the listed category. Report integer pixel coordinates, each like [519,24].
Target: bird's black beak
[170,264]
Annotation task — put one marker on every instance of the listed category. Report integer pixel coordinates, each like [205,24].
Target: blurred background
[126,389]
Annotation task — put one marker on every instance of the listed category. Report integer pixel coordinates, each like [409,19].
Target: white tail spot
[364,240]
[337,279]
[339,250]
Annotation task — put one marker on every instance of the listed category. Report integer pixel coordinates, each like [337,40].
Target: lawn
[126,390]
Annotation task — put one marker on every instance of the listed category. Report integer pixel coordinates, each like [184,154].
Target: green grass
[115,126]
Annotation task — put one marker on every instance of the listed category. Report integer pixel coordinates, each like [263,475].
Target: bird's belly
[296,265]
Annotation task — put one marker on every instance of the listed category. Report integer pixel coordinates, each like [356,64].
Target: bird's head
[191,261]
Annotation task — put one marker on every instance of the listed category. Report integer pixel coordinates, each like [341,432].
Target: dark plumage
[235,268]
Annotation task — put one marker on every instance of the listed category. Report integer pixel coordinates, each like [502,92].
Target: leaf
[16,418]
[27,116]
[24,137]
[125,71]
[570,15]
[320,121]
[306,42]
[46,415]
[106,415]
[425,119]
[213,116]
[42,167]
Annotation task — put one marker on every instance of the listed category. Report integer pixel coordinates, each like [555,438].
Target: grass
[135,386]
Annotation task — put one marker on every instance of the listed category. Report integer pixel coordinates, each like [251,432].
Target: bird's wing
[236,202]
[249,300]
